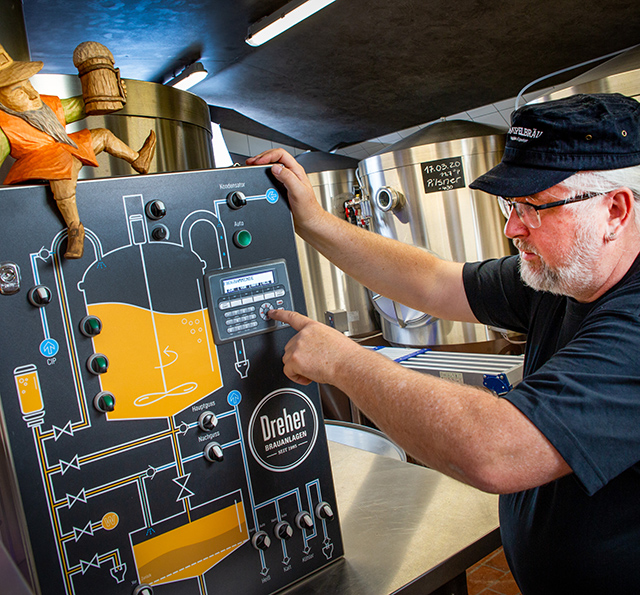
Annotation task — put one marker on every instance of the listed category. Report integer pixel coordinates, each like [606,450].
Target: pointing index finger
[293,319]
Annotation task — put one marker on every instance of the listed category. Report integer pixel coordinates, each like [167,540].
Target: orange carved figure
[32,131]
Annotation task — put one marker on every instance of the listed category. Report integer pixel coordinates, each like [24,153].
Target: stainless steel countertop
[405,528]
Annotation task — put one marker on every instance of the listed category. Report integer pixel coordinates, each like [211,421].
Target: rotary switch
[143,589]
[39,296]
[261,540]
[324,511]
[104,402]
[304,520]
[98,364]
[213,452]
[283,530]
[90,326]
[155,209]
[236,200]
[207,421]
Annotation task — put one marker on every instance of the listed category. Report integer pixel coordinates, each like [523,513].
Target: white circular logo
[283,429]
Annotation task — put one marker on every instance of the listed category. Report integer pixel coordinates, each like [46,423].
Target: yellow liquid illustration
[28,387]
[158,363]
[170,556]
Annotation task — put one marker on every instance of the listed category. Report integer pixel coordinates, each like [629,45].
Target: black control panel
[150,442]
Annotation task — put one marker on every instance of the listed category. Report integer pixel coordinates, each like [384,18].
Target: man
[32,131]
[563,447]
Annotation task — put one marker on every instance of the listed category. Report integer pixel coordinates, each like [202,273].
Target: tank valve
[387,199]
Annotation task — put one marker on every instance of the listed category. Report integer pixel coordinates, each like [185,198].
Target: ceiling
[357,70]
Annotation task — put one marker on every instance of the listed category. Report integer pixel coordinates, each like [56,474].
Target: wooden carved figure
[32,131]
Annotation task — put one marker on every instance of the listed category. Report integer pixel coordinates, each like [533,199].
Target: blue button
[49,347]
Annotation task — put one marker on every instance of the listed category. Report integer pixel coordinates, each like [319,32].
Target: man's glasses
[529,214]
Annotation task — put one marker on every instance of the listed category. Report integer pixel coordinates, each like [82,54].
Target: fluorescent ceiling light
[283,19]
[191,75]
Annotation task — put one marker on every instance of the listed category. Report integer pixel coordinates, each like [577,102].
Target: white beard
[575,274]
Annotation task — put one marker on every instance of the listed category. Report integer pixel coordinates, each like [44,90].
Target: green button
[242,238]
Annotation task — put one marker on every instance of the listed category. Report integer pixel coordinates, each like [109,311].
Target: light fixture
[281,20]
[191,75]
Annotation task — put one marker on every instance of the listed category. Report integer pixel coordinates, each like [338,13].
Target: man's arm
[462,431]
[407,274]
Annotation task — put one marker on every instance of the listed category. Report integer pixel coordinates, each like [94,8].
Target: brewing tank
[420,195]
[617,75]
[180,120]
[332,296]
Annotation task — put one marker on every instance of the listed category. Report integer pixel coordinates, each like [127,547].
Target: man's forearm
[462,431]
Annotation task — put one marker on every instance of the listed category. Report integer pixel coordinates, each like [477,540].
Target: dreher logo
[523,135]
[283,429]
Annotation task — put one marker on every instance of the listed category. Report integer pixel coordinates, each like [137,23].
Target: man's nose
[515,228]
[31,92]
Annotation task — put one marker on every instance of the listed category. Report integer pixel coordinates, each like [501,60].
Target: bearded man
[32,131]
[563,447]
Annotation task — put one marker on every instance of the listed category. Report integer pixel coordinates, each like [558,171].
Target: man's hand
[316,352]
[302,200]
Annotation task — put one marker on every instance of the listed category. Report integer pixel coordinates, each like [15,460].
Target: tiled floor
[491,576]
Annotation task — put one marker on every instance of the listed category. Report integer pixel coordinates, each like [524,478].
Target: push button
[242,238]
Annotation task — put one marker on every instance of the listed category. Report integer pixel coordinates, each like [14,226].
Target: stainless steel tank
[332,296]
[420,195]
[618,75]
[180,120]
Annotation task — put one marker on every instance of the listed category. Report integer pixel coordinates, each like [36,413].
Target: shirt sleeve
[586,398]
[496,294]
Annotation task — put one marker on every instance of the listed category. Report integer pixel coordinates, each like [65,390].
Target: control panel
[150,443]
[240,299]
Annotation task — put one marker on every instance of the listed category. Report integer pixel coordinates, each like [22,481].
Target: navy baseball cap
[549,142]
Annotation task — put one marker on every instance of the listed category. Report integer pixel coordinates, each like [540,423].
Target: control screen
[239,299]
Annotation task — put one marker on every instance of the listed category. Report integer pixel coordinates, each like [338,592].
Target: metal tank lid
[438,140]
[618,75]
[319,161]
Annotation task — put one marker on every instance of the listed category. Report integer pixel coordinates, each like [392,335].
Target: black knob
[324,511]
[104,402]
[283,530]
[143,590]
[98,364]
[159,233]
[213,452]
[261,540]
[39,296]
[236,200]
[207,421]
[304,520]
[90,326]
[155,209]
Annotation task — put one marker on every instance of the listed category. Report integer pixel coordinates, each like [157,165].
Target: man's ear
[621,207]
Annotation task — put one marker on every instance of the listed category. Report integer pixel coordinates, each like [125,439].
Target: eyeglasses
[529,214]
